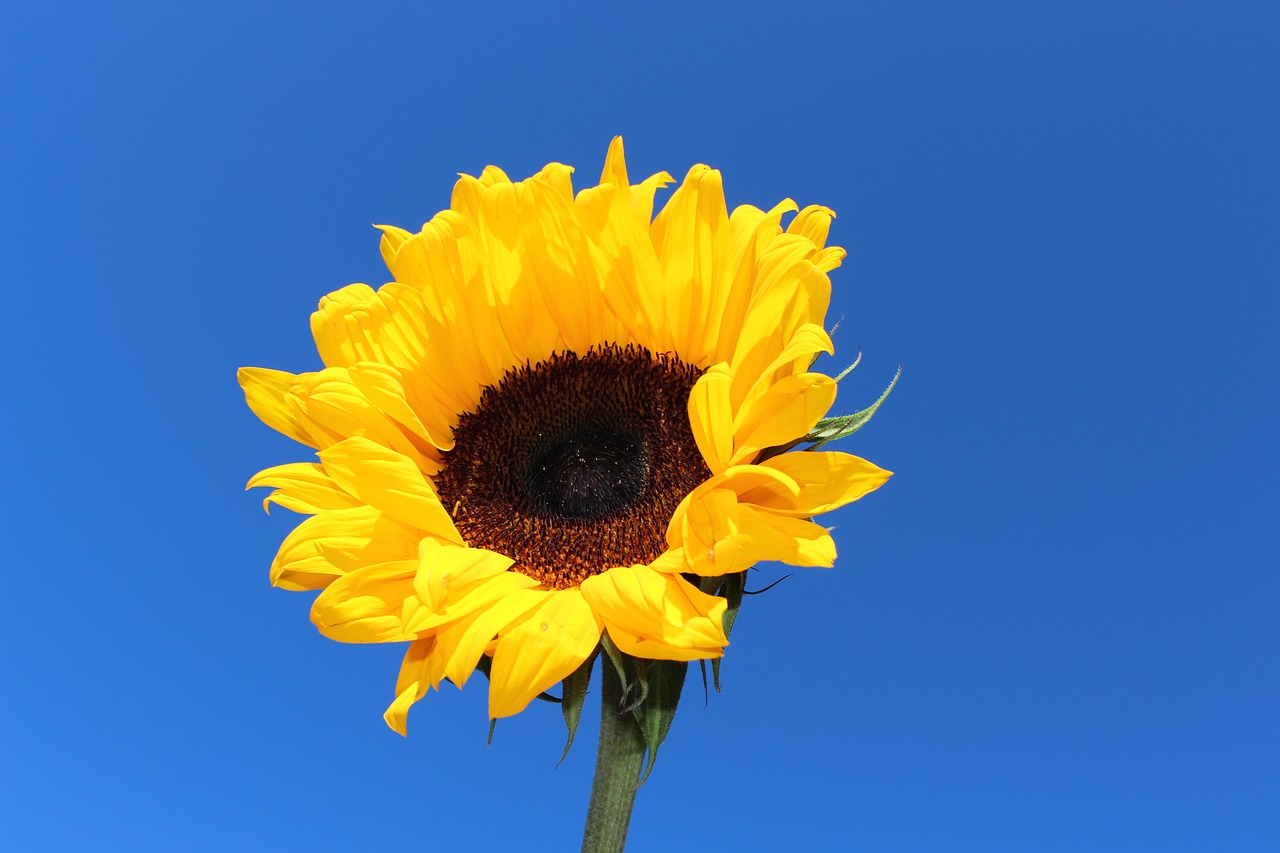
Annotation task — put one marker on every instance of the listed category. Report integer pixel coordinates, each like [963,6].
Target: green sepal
[732,592]
[618,659]
[731,587]
[831,429]
[842,374]
[639,684]
[483,666]
[573,695]
[665,679]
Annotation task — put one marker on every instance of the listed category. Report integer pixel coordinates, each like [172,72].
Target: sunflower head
[560,426]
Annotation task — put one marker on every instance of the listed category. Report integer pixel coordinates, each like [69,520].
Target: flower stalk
[619,758]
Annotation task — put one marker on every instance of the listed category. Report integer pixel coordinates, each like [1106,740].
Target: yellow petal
[421,670]
[540,650]
[443,262]
[332,407]
[714,539]
[492,176]
[813,223]
[691,238]
[615,166]
[623,264]
[754,376]
[468,601]
[384,387]
[827,480]
[337,541]
[558,264]
[829,258]
[444,570]
[335,326]
[722,535]
[364,606]
[749,228]
[641,196]
[793,541]
[466,639]
[711,417]
[302,487]
[392,239]
[559,177]
[452,581]
[264,391]
[785,412]
[384,479]
[657,616]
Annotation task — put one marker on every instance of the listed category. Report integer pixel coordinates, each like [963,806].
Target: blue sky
[1054,629]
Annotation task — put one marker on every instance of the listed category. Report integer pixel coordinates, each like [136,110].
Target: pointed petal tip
[397,718]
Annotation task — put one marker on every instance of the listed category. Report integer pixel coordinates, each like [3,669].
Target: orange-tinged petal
[657,616]
[391,482]
[364,606]
[541,649]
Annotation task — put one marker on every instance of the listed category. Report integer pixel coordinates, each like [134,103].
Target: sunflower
[560,415]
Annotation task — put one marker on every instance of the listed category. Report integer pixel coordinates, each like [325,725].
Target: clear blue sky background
[1054,630]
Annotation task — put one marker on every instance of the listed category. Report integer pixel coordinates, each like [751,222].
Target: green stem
[619,758]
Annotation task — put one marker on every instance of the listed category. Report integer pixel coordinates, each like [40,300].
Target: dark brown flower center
[575,464]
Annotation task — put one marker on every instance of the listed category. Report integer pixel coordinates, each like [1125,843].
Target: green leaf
[830,429]
[575,693]
[639,684]
[665,679]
